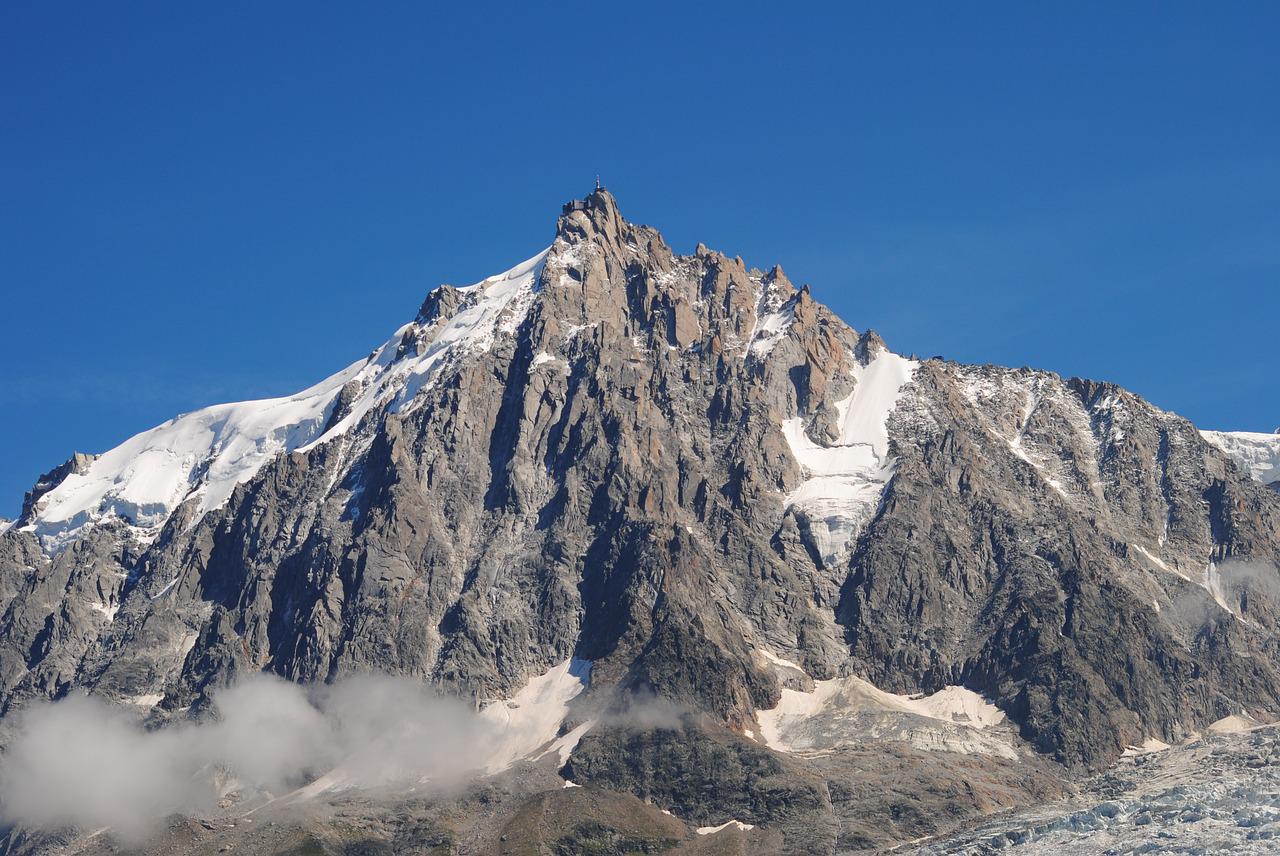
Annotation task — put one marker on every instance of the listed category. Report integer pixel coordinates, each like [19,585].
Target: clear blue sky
[228,203]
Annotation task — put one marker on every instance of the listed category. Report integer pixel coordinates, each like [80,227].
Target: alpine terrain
[710,571]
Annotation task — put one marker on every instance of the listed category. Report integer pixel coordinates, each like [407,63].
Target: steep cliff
[696,477]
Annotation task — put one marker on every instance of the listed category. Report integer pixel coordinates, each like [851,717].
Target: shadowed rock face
[660,463]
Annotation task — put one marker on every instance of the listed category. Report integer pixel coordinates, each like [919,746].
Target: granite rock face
[666,465]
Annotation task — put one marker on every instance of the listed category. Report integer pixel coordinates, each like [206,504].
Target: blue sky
[230,202]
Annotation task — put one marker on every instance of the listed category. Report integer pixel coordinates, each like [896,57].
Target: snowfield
[846,479]
[202,456]
[1257,454]
[532,717]
[847,711]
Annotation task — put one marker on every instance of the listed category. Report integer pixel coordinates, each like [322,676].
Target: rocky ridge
[695,476]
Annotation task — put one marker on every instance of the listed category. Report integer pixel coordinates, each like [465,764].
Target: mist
[644,710]
[86,763]
[1236,585]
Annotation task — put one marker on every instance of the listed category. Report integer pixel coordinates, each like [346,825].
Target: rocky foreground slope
[840,596]
[1220,793]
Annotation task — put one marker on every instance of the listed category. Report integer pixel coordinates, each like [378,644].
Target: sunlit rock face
[666,465]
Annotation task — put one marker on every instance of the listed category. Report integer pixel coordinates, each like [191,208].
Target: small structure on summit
[593,199]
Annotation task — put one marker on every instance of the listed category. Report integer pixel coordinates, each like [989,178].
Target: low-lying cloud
[85,763]
[1237,585]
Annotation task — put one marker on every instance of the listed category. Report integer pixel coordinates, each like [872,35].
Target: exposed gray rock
[1216,795]
[77,463]
[609,475]
[705,777]
[1043,542]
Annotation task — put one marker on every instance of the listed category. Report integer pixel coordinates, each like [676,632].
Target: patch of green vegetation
[310,846]
[423,836]
[368,848]
[596,839]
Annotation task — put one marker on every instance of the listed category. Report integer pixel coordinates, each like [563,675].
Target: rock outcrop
[666,465]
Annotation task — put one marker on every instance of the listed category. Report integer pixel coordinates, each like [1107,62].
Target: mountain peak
[597,213]
[598,199]
[667,465]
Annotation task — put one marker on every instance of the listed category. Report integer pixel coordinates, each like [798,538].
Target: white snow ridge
[202,456]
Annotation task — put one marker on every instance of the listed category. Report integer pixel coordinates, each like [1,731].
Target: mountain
[871,595]
[1257,454]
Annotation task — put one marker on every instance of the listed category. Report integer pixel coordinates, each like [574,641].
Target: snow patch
[1148,746]
[168,587]
[736,824]
[335,780]
[1015,446]
[778,661]
[770,328]
[532,717]
[1158,562]
[564,746]
[186,642]
[956,704]
[775,310]
[848,711]
[846,480]
[1234,724]
[108,610]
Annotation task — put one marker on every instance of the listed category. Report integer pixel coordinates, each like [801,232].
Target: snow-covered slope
[1257,454]
[850,711]
[532,717]
[846,479]
[201,456]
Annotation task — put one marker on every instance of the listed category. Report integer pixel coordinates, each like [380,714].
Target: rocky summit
[721,573]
